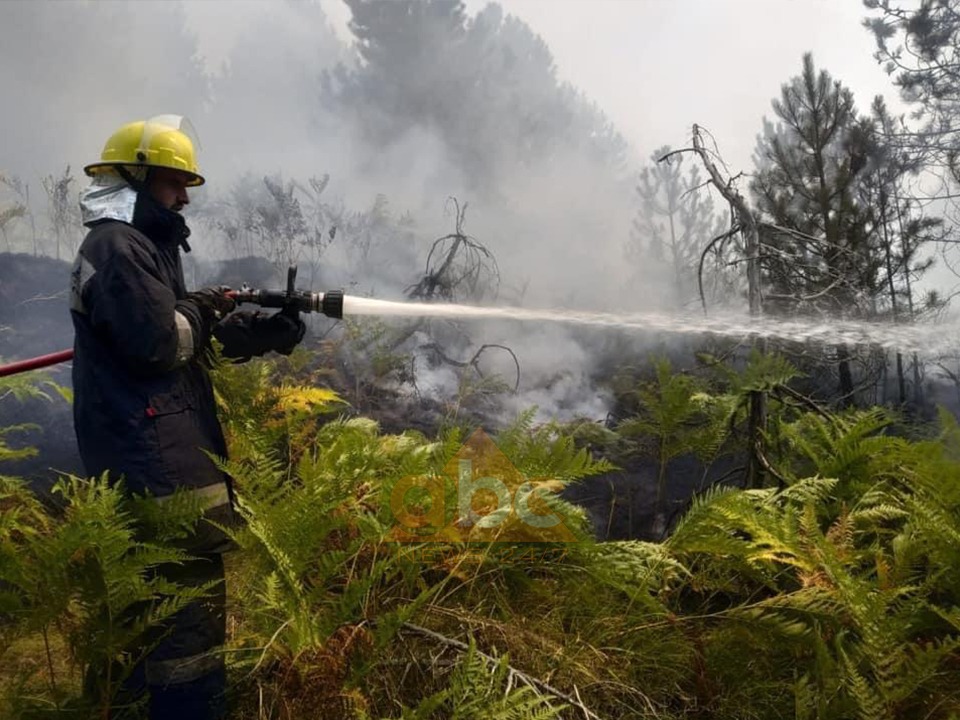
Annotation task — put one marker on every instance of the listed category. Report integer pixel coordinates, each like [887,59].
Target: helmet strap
[137,185]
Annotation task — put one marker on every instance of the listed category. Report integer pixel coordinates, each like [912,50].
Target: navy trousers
[183,676]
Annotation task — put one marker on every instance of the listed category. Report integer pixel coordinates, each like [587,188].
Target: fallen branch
[474,361]
[765,464]
[516,362]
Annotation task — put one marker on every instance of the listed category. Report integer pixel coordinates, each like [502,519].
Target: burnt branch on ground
[474,361]
[459,267]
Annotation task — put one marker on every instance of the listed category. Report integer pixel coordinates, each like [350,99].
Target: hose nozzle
[330,303]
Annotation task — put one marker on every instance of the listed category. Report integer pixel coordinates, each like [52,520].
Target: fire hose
[289,300]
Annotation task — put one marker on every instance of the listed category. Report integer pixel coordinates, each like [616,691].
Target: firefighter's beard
[158,222]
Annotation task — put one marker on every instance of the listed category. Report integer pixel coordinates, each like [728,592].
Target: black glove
[245,334]
[213,303]
[281,332]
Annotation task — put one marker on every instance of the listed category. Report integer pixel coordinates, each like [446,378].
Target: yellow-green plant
[83,574]
[831,596]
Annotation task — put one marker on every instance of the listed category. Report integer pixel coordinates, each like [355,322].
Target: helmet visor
[152,141]
[165,123]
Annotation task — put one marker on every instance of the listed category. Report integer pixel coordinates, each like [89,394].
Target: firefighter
[144,407]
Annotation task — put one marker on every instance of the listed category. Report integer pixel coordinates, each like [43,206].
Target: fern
[88,578]
[763,373]
[677,416]
[846,447]
[20,388]
[306,528]
[548,451]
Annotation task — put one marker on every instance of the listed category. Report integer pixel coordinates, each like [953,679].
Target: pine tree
[485,86]
[919,47]
[674,221]
[824,260]
[902,229]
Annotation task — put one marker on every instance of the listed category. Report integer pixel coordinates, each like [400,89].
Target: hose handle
[291,307]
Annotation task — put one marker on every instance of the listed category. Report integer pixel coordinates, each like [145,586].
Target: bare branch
[719,238]
[474,361]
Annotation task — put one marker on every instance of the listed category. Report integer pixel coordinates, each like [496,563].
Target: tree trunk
[905,249]
[901,381]
[757,421]
[758,400]
[846,376]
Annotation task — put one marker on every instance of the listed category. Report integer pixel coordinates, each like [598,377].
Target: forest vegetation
[813,571]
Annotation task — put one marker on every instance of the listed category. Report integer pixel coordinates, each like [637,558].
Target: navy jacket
[144,406]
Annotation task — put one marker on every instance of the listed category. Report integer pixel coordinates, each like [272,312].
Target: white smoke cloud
[247,74]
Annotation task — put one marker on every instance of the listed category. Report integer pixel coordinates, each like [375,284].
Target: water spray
[928,339]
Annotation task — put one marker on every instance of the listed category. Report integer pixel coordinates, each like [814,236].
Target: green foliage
[85,577]
[832,596]
[917,46]
[301,532]
[548,450]
[261,407]
[764,372]
[833,584]
[9,453]
[677,416]
[370,349]
[808,181]
[849,446]
[320,562]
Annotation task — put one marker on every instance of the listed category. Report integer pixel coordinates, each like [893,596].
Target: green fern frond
[549,451]
[763,373]
[869,703]
[809,491]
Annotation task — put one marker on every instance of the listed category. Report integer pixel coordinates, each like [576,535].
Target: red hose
[35,363]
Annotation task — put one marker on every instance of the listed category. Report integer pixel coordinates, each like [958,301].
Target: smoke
[72,72]
[263,114]
[273,91]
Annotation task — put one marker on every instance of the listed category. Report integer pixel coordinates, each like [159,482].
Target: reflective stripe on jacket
[143,401]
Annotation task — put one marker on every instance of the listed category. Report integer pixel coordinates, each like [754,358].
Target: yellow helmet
[161,141]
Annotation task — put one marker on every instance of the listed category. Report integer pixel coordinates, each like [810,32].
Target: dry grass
[25,670]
